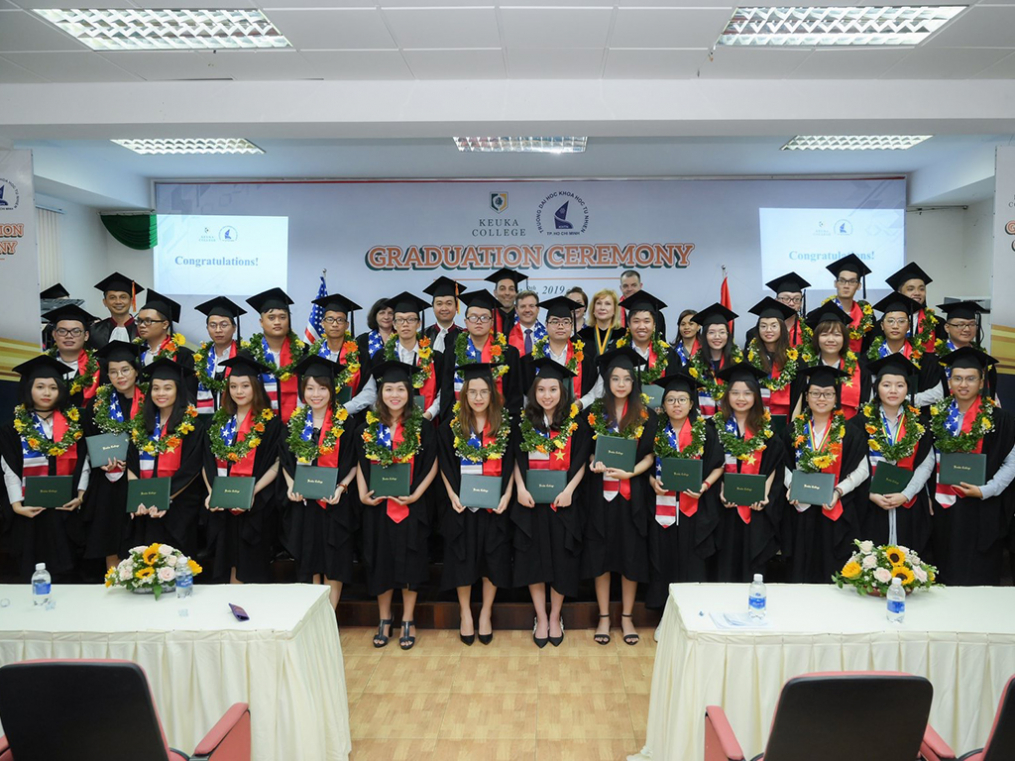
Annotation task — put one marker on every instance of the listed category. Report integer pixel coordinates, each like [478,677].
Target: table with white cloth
[286,661]
[961,639]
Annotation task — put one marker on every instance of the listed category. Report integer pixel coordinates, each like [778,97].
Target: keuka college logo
[498,202]
[568,210]
[9,196]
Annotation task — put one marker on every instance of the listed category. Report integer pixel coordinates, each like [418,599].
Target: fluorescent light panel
[140,29]
[854,142]
[522,144]
[153,147]
[814,27]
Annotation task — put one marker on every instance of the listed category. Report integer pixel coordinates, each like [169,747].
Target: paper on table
[738,621]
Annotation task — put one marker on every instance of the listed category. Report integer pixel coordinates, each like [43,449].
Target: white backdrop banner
[19,262]
[1002,318]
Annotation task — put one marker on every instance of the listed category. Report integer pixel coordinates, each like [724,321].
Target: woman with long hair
[770,351]
[717,352]
[829,346]
[602,322]
[688,340]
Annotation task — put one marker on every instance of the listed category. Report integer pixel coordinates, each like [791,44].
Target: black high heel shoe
[381,639]
[555,641]
[486,639]
[540,641]
[468,639]
[405,641]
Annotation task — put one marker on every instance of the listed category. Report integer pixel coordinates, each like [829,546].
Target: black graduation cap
[827,312]
[164,369]
[560,306]
[477,370]
[407,302]
[741,371]
[549,368]
[716,314]
[769,307]
[896,302]
[336,302]
[245,366]
[911,271]
[624,357]
[163,305]
[963,310]
[505,273]
[222,307]
[273,298]
[851,263]
[643,301]
[69,312]
[965,357]
[894,364]
[317,366]
[791,282]
[481,300]
[55,291]
[119,351]
[444,286]
[43,366]
[822,375]
[392,371]
[679,380]
[120,283]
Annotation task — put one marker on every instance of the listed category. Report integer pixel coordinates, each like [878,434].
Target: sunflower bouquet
[871,569]
[150,569]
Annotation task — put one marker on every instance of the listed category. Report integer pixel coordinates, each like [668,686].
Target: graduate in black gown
[829,345]
[117,402]
[395,529]
[971,522]
[243,440]
[222,319]
[320,532]
[717,352]
[748,534]
[43,422]
[682,534]
[963,327]
[444,293]
[548,535]
[897,433]
[898,314]
[616,534]
[644,315]
[118,295]
[168,442]
[478,441]
[818,440]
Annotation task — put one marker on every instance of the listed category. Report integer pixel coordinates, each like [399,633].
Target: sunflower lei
[238,449]
[412,439]
[541,347]
[812,461]
[499,340]
[142,439]
[694,449]
[423,351]
[83,380]
[786,373]
[878,440]
[811,358]
[597,420]
[662,351]
[103,421]
[215,385]
[874,352]
[350,364]
[306,451]
[24,423]
[929,329]
[701,371]
[962,442]
[534,441]
[743,449]
[297,350]
[168,348]
[492,451]
[866,324]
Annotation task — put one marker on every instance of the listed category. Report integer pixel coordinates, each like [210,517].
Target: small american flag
[315,330]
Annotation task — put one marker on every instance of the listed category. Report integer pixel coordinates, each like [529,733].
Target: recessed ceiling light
[151,147]
[522,144]
[140,29]
[854,142]
[812,27]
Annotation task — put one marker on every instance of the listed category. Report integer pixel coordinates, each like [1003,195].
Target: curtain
[48,227]
[137,231]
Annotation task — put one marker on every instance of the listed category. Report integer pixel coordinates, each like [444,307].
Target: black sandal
[405,641]
[630,639]
[602,639]
[381,639]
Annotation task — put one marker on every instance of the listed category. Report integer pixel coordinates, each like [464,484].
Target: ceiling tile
[752,63]
[12,74]
[669,27]
[847,64]
[623,63]
[1003,69]
[419,28]
[456,64]
[192,4]
[163,65]
[257,65]
[556,27]
[358,64]
[980,26]
[555,63]
[944,63]
[334,29]
[85,66]
[23,30]
[28,4]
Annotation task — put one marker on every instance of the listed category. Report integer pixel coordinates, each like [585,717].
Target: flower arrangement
[492,451]
[168,348]
[302,444]
[879,349]
[152,568]
[425,367]
[740,448]
[497,359]
[599,425]
[412,439]
[811,460]
[871,569]
[238,449]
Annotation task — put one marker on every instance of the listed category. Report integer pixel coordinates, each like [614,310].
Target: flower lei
[492,451]
[424,352]
[811,461]
[83,380]
[694,449]
[930,321]
[168,348]
[541,347]
[811,358]
[941,346]
[597,419]
[215,385]
[297,350]
[101,412]
[874,352]
[306,451]
[351,365]
[43,444]
[499,368]
[740,448]
[786,373]
[702,372]
[660,348]
[142,439]
[866,319]
[878,440]
[238,449]
[411,439]
[961,442]
[534,441]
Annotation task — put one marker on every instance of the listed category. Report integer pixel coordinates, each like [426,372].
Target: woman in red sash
[829,346]
[771,352]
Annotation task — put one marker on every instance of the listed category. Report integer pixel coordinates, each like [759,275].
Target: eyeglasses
[957,380]
[895,322]
[558,321]
[790,300]
[478,319]
[478,393]
[219,325]
[681,400]
[120,373]
[716,334]
[821,394]
[63,332]
[962,325]
[335,321]
[844,281]
[146,322]
[406,320]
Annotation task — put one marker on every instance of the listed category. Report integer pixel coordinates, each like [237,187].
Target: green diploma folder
[232,492]
[812,488]
[889,479]
[105,446]
[545,485]
[390,481]
[419,401]
[956,468]
[48,491]
[681,474]
[314,481]
[654,394]
[744,488]
[480,491]
[779,423]
[616,452]
[150,492]
[344,396]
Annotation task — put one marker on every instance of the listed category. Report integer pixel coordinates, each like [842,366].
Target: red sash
[688,505]
[429,389]
[168,461]
[89,390]
[553,462]
[578,377]
[931,345]
[947,495]
[65,463]
[747,467]
[906,463]
[796,335]
[396,511]
[516,338]
[244,467]
[329,460]
[850,390]
[486,355]
[778,401]
[288,389]
[855,316]
[353,383]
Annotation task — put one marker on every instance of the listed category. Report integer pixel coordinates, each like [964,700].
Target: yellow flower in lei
[73,414]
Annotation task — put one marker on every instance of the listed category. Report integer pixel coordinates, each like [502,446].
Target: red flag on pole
[724,297]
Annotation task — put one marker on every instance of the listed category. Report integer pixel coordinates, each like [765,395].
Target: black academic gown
[616,533]
[587,365]
[100,331]
[321,536]
[245,541]
[588,336]
[861,374]
[511,382]
[968,537]
[818,546]
[678,553]
[548,542]
[395,554]
[431,332]
[477,545]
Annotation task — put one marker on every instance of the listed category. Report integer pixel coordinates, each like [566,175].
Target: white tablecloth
[286,661]
[962,640]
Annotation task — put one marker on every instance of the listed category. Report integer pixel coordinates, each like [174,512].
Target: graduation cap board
[119,283]
[273,298]
[851,263]
[69,312]
[911,271]
[164,305]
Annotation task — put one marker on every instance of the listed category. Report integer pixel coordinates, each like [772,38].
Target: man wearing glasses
[912,281]
[70,334]
[962,327]
[789,290]
[222,320]
[566,349]
[410,346]
[355,388]
[849,272]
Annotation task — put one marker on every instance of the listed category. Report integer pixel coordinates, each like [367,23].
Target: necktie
[528,340]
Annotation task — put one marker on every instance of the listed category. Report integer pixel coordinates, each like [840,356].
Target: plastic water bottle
[896,601]
[757,599]
[42,584]
[184,582]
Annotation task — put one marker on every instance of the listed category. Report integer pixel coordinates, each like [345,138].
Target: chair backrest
[852,715]
[1001,743]
[81,710]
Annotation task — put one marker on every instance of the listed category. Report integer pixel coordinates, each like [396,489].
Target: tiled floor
[508,701]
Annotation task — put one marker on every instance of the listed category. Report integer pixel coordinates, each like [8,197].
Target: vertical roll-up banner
[1002,332]
[20,329]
